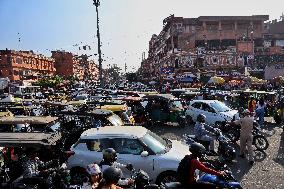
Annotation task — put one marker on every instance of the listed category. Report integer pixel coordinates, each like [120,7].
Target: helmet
[197,149]
[93,169]
[201,118]
[111,175]
[109,155]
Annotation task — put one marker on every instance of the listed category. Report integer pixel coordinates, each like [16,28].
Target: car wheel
[189,120]
[166,177]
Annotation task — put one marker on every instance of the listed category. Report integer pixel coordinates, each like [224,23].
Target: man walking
[246,137]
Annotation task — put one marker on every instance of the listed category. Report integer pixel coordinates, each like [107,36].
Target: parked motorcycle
[225,150]
[220,182]
[259,140]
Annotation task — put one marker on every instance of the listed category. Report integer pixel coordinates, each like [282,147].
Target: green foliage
[132,77]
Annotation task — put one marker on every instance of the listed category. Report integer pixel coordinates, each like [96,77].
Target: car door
[209,112]
[129,151]
[90,151]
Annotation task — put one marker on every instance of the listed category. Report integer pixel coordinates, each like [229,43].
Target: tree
[132,77]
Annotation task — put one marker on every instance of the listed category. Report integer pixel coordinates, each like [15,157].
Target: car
[216,112]
[159,157]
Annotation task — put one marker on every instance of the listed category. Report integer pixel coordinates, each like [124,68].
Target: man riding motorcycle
[109,160]
[32,165]
[197,151]
[204,132]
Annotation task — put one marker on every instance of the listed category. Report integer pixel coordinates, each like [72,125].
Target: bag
[183,169]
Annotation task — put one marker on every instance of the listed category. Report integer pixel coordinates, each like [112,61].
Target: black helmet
[201,118]
[197,149]
[111,175]
[109,155]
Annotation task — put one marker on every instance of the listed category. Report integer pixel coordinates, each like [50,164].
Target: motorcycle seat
[176,185]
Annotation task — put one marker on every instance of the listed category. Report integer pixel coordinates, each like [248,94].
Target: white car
[142,148]
[216,112]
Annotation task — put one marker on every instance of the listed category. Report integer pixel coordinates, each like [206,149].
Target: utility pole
[97,4]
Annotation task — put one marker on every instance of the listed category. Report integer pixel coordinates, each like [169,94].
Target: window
[127,146]
[197,105]
[16,72]
[207,108]
[98,144]
[19,60]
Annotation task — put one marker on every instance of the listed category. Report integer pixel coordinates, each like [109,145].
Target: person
[109,160]
[31,166]
[246,136]
[111,177]
[95,176]
[193,164]
[251,104]
[260,111]
[204,134]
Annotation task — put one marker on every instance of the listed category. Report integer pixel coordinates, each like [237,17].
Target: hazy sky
[126,25]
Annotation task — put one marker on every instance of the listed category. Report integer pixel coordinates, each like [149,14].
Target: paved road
[268,170]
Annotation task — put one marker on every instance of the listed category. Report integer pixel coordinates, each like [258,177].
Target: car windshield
[115,120]
[177,104]
[157,144]
[220,107]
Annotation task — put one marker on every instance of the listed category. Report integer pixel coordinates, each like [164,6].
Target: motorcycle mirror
[144,154]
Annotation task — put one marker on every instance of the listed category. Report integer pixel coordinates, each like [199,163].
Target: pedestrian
[246,136]
[251,104]
[260,111]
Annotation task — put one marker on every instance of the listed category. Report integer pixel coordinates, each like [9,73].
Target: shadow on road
[280,155]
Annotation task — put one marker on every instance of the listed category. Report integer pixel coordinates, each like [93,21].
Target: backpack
[183,169]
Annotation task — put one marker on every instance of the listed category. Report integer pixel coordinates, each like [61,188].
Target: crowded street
[131,94]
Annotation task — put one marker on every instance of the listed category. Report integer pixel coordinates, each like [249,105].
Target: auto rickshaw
[164,109]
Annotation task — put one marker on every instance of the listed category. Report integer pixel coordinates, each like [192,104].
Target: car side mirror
[144,154]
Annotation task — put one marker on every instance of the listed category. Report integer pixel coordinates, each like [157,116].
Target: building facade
[210,43]
[68,64]
[25,65]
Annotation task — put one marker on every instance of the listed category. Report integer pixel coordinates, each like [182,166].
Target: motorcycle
[58,177]
[259,140]
[220,182]
[225,150]
[141,179]
[4,176]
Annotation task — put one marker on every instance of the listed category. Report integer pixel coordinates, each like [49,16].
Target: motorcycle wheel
[260,142]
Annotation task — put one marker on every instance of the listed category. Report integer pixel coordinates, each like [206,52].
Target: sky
[126,26]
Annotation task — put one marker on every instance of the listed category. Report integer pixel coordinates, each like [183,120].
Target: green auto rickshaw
[164,109]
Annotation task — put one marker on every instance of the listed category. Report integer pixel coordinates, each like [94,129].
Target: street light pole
[97,4]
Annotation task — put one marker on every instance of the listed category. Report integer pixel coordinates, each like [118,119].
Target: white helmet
[93,169]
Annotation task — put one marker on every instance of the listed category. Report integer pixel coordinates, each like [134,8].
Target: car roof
[205,101]
[119,131]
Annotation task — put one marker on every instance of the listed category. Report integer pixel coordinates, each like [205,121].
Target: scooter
[225,150]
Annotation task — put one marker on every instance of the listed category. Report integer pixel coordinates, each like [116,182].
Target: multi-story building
[68,64]
[204,43]
[24,65]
